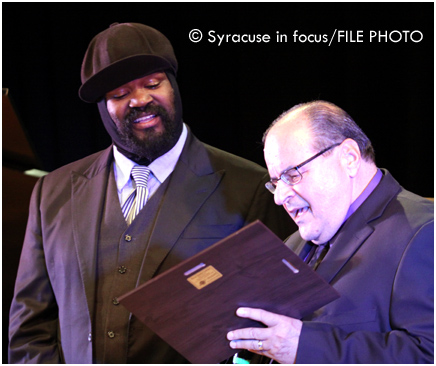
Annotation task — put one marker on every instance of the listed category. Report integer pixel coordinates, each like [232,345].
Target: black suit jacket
[381,262]
[210,195]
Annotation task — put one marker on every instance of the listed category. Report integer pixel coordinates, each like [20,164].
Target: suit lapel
[358,228]
[191,183]
[88,196]
[344,246]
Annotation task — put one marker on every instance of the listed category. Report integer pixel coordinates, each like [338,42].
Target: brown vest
[120,253]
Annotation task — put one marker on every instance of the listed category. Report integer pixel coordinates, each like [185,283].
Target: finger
[248,333]
[263,316]
[252,345]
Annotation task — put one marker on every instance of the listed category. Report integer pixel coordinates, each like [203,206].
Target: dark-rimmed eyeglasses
[293,176]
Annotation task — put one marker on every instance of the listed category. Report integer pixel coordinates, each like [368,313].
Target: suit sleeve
[33,325]
[275,217]
[410,339]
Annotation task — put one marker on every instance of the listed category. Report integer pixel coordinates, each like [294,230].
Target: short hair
[330,125]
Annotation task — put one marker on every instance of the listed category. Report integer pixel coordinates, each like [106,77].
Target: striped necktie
[138,198]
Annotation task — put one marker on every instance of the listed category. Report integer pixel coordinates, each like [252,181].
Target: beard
[149,146]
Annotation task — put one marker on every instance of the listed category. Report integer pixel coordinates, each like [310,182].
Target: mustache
[135,113]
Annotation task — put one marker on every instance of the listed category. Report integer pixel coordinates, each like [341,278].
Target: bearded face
[154,142]
[144,115]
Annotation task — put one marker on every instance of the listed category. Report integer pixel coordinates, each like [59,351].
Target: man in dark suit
[80,253]
[362,232]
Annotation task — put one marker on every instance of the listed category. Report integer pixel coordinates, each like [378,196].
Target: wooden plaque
[192,306]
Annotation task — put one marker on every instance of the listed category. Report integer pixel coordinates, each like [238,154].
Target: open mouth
[298,213]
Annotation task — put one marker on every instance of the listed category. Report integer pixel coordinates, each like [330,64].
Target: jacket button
[128,238]
[122,269]
[115,301]
[89,337]
[111,334]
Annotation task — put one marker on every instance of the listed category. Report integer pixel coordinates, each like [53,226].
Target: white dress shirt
[161,168]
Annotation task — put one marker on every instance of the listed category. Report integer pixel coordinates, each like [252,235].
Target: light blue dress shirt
[161,168]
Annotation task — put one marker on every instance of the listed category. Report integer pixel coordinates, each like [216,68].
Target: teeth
[144,119]
[300,211]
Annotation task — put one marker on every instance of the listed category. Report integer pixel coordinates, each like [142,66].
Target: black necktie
[318,256]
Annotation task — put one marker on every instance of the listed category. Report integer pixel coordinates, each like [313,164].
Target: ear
[350,156]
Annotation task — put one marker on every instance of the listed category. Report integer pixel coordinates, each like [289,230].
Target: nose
[140,98]
[283,193]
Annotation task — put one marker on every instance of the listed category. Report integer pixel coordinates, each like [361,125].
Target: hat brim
[120,73]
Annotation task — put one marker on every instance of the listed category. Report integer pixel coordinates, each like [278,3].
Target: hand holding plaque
[192,306]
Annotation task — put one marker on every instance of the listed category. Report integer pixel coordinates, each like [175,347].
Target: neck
[137,159]
[367,171]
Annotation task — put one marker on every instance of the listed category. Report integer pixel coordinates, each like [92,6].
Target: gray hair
[330,125]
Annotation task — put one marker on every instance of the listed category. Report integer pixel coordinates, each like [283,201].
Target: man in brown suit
[80,253]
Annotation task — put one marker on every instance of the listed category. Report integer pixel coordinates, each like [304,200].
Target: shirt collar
[164,165]
[364,195]
[161,168]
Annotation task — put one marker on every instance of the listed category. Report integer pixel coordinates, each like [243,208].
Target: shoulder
[415,203]
[415,210]
[390,201]
[87,166]
[206,159]
[228,160]
[401,219]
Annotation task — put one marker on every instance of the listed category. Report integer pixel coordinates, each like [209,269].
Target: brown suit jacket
[211,194]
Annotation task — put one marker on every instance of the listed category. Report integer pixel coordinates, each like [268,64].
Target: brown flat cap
[122,53]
